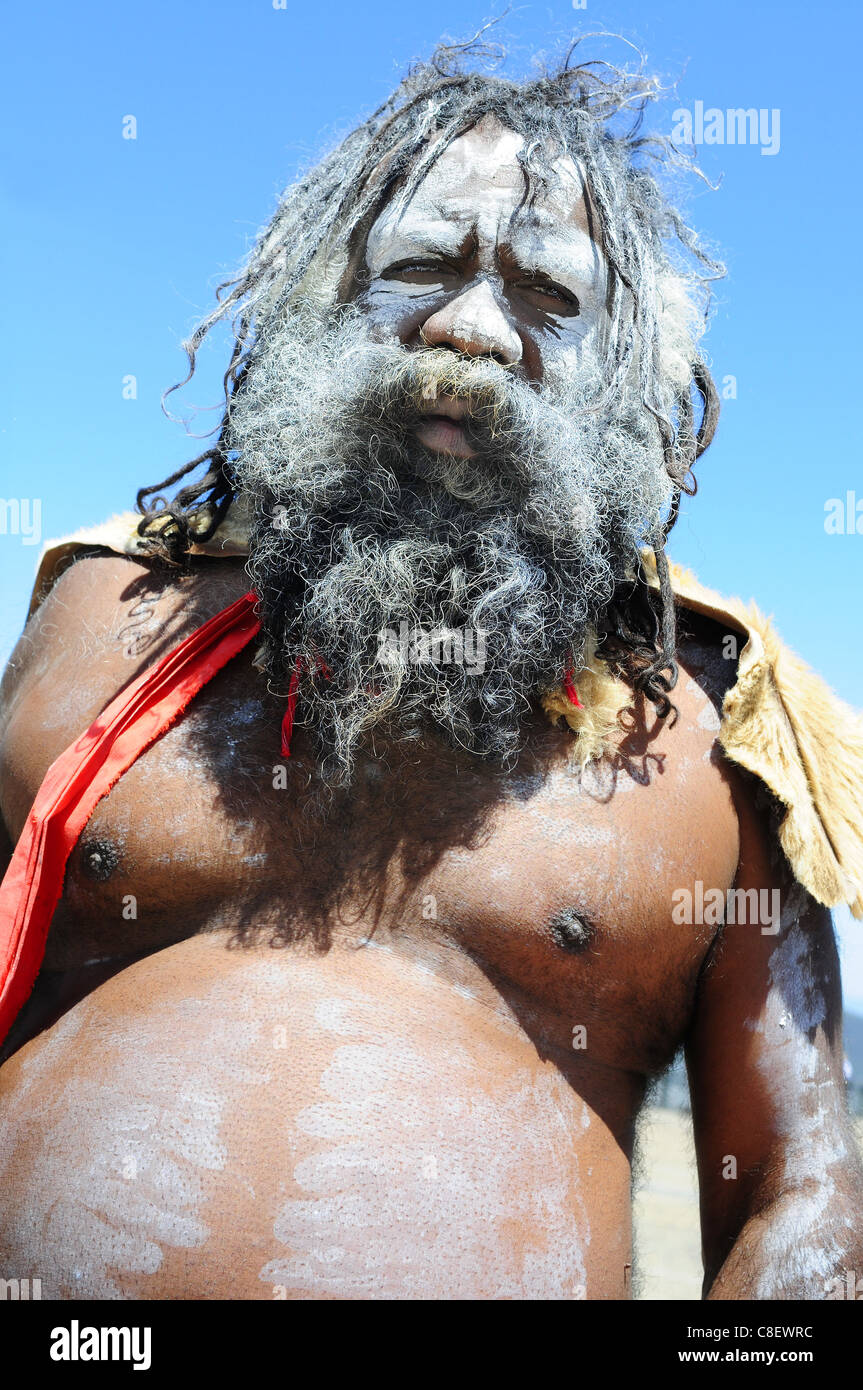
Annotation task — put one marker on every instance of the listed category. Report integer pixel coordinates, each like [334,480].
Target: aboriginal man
[364,960]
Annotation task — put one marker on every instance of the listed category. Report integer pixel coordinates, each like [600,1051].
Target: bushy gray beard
[366,546]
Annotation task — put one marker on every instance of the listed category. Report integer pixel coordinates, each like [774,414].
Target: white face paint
[456,249]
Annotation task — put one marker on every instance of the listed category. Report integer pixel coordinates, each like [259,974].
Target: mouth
[440,428]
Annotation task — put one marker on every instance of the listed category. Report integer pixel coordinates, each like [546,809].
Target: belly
[251,1123]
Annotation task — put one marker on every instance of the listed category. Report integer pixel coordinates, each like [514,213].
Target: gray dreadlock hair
[659,277]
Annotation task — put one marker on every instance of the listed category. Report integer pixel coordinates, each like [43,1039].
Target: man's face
[442,454]
[466,266]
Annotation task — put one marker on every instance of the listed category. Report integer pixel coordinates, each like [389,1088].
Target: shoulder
[801,744]
[106,607]
[120,535]
[106,618]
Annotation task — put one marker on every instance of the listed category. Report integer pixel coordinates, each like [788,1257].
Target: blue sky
[114,247]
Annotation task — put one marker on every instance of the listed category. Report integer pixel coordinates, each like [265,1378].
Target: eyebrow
[550,236]
[407,241]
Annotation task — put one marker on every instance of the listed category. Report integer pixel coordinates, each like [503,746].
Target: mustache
[499,409]
[408,387]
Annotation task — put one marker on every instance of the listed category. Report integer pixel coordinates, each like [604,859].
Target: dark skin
[431,1088]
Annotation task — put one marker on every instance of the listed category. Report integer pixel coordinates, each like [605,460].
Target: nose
[474,323]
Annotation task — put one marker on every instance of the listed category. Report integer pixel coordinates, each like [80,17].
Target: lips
[440,428]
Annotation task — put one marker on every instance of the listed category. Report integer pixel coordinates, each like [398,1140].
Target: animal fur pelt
[780,721]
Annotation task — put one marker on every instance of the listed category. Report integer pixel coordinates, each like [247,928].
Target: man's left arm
[779,1171]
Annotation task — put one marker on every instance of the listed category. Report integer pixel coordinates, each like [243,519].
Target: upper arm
[764,1056]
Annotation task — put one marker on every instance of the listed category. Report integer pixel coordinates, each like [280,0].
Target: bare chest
[559,884]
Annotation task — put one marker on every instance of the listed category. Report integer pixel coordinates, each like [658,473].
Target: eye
[419,272]
[550,296]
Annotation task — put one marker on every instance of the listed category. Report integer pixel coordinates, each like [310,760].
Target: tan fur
[602,698]
[783,723]
[780,721]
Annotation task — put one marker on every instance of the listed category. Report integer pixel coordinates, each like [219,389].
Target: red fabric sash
[82,775]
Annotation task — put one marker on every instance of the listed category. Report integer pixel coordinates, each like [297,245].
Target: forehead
[478,183]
